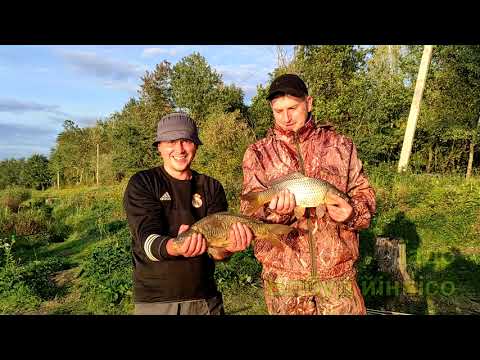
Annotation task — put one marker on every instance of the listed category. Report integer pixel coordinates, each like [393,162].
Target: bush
[240,270]
[107,274]
[12,197]
[30,222]
[38,276]
[24,287]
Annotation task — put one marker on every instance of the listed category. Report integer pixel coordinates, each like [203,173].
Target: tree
[12,172]
[327,70]
[36,172]
[195,85]
[225,138]
[449,119]
[199,90]
[260,117]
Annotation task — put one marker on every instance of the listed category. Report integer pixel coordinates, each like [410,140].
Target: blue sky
[41,86]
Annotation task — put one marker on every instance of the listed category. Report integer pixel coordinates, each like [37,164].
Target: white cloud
[90,63]
[21,140]
[20,106]
[242,73]
[122,85]
[156,51]
[245,76]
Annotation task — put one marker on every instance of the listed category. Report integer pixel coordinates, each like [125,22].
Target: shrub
[241,269]
[24,287]
[107,274]
[12,197]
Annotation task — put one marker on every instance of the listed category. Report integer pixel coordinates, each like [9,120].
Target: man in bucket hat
[164,201]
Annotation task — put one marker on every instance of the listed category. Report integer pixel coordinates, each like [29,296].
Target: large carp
[309,192]
[215,229]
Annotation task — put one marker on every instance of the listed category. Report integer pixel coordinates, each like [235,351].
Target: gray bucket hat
[176,126]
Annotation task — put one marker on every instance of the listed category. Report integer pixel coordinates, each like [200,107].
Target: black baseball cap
[289,84]
[176,126]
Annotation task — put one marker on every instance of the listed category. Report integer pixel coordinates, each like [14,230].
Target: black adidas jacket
[156,205]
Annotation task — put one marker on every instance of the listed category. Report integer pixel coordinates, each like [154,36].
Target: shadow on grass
[381,291]
[86,238]
[455,289]
[446,282]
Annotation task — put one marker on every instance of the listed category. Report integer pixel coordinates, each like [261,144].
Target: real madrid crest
[197,200]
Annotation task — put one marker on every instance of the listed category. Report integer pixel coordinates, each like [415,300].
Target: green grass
[438,217]
[85,230]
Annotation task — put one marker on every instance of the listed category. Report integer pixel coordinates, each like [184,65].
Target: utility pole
[415,109]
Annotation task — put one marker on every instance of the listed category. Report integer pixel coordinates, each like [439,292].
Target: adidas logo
[165,196]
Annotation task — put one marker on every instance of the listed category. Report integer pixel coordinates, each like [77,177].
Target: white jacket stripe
[148,246]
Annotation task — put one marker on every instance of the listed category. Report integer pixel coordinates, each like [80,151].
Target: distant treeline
[365,93]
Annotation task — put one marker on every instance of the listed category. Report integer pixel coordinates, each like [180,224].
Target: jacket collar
[289,136]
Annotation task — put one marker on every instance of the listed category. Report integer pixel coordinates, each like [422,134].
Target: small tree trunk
[58,179]
[470,159]
[430,159]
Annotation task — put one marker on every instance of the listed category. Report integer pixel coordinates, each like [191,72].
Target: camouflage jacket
[316,151]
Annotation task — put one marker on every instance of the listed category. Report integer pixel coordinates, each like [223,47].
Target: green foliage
[225,138]
[241,269]
[260,116]
[195,85]
[27,222]
[327,70]
[36,172]
[107,273]
[24,286]
[11,173]
[12,197]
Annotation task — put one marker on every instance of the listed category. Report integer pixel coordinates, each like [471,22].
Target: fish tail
[252,201]
[274,233]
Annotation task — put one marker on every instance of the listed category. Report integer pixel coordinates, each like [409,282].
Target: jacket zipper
[309,226]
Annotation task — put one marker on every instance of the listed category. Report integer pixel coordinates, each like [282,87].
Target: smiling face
[291,112]
[177,156]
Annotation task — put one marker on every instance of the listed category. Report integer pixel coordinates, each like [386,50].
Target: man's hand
[338,209]
[240,237]
[194,245]
[283,203]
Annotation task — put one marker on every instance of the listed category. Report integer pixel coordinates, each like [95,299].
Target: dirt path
[68,297]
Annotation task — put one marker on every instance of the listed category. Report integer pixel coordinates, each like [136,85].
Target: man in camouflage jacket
[313,272]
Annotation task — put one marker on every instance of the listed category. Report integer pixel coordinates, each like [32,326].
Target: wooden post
[415,109]
[58,179]
[391,255]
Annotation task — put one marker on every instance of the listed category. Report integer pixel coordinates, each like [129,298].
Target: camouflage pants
[329,297]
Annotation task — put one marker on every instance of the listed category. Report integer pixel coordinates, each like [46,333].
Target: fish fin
[299,212]
[275,232]
[291,176]
[320,211]
[252,202]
